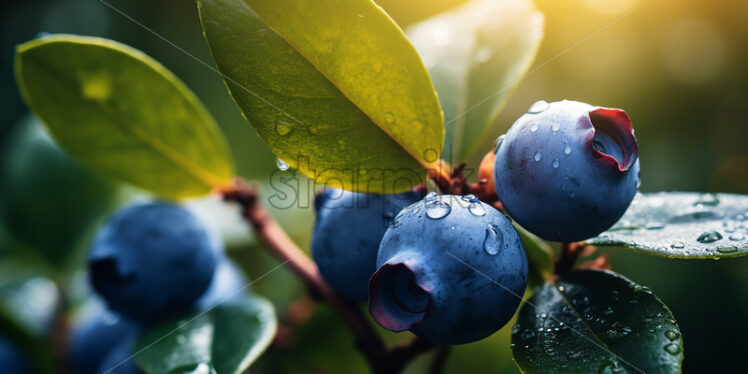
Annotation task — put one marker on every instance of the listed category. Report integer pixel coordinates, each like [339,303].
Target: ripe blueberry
[12,360]
[451,269]
[120,359]
[347,233]
[567,171]
[95,338]
[152,261]
[228,281]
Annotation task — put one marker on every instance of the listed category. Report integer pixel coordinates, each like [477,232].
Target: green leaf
[227,339]
[539,256]
[593,321]
[48,202]
[682,225]
[123,114]
[476,55]
[334,88]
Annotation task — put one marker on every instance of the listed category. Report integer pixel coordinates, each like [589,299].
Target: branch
[567,258]
[439,362]
[280,244]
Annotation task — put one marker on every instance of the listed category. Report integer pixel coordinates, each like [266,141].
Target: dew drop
[477,209]
[493,240]
[282,165]
[737,237]
[438,209]
[672,335]
[556,163]
[283,128]
[360,15]
[498,143]
[538,107]
[484,54]
[537,155]
[554,127]
[672,348]
[470,198]
[730,249]
[534,127]
[430,196]
[567,148]
[709,237]
[655,226]
[677,245]
[389,118]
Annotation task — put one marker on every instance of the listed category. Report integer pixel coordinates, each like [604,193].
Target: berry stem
[567,258]
[439,362]
[280,244]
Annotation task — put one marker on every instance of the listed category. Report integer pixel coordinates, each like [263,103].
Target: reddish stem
[280,244]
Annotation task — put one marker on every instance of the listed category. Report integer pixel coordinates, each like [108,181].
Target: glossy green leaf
[48,202]
[123,114]
[539,256]
[682,225]
[476,55]
[593,321]
[227,339]
[334,88]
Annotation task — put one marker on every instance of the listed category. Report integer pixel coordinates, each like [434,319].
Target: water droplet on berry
[470,198]
[477,209]
[672,348]
[567,148]
[430,196]
[672,335]
[537,156]
[493,241]
[282,165]
[538,107]
[556,163]
[677,245]
[283,128]
[498,143]
[709,237]
[437,209]
[534,127]
[554,128]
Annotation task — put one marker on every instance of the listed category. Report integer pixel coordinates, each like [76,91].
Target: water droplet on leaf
[672,335]
[709,237]
[282,165]
[672,348]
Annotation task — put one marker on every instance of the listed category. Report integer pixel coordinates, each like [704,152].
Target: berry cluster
[149,263]
[451,268]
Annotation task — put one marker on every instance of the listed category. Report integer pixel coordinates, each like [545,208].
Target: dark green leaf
[48,202]
[593,321]
[123,114]
[476,55]
[334,88]
[683,225]
[227,339]
[539,256]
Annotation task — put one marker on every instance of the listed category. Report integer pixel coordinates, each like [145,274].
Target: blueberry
[95,338]
[152,261]
[228,281]
[567,171]
[121,360]
[347,232]
[451,270]
[12,360]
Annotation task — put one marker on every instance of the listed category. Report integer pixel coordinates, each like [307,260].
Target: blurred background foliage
[678,67]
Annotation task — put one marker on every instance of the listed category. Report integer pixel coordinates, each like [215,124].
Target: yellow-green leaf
[476,55]
[334,88]
[123,114]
